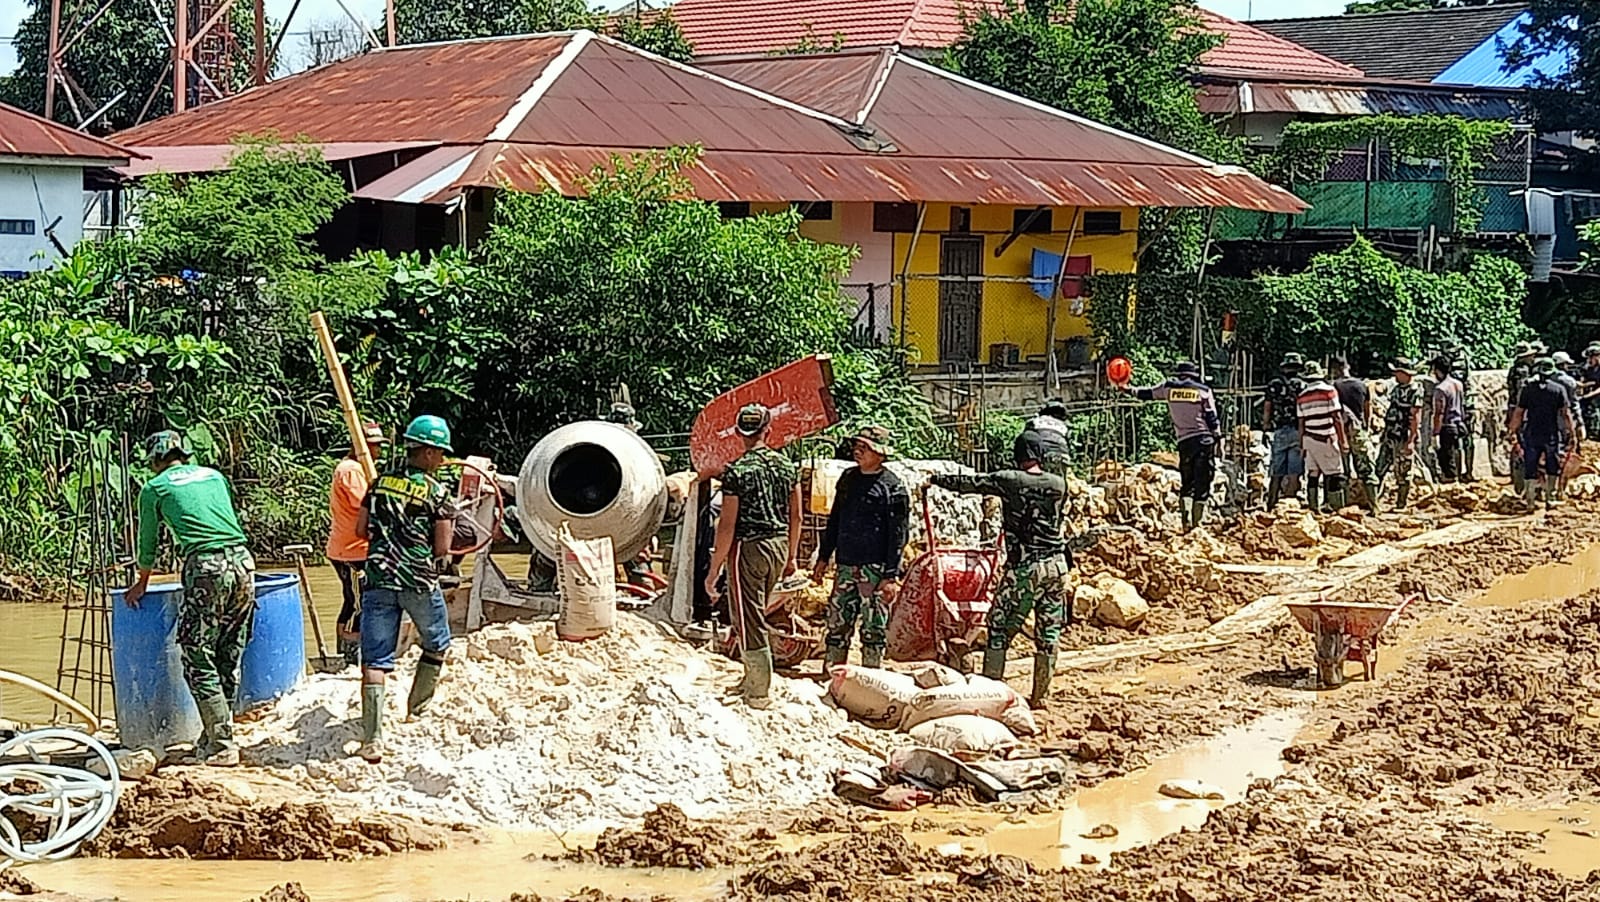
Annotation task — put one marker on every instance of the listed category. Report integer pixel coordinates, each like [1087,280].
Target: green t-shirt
[197,507]
[402,506]
[762,480]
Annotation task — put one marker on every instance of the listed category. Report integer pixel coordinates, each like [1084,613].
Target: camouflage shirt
[1283,393]
[762,480]
[402,507]
[1403,399]
[1030,506]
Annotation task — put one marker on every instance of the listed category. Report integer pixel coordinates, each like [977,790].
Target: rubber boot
[372,722]
[1274,487]
[423,685]
[1044,667]
[1402,493]
[833,657]
[994,663]
[1337,497]
[1184,513]
[1313,493]
[217,715]
[871,657]
[1372,496]
[1198,513]
[1530,492]
[758,678]
[1552,491]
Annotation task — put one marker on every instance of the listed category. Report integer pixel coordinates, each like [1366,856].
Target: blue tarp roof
[1484,66]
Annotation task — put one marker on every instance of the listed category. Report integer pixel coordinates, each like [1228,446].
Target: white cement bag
[877,698]
[588,571]
[932,674]
[980,696]
[963,733]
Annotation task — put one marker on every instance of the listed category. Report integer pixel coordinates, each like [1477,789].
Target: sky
[312,11]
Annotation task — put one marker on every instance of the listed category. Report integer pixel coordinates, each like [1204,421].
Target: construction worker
[1541,423]
[1522,358]
[1402,424]
[1193,409]
[219,600]
[1461,368]
[758,537]
[1589,389]
[1051,426]
[1356,400]
[1449,420]
[1037,560]
[408,521]
[1322,439]
[1280,423]
[867,532]
[346,550]
[1566,374]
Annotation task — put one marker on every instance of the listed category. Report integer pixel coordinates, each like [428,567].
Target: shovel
[322,662]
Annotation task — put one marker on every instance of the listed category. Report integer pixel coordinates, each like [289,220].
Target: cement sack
[964,733]
[980,696]
[878,698]
[932,674]
[588,579]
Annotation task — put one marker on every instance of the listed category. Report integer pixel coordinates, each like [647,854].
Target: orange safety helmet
[1119,370]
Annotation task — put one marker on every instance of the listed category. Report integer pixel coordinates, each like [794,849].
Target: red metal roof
[211,157]
[716,27]
[555,107]
[23,134]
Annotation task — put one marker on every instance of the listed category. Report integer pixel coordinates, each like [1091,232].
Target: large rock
[1121,605]
[1298,529]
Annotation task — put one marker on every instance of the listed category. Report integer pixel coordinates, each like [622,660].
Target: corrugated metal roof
[212,157]
[22,134]
[1484,66]
[1354,98]
[577,99]
[1410,44]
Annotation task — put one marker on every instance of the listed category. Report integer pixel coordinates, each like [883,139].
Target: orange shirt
[344,504]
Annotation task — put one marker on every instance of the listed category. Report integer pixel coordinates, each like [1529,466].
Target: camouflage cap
[876,438]
[165,444]
[1403,365]
[1539,348]
[1292,360]
[1544,365]
[1522,349]
[752,419]
[1592,350]
[1312,370]
[622,414]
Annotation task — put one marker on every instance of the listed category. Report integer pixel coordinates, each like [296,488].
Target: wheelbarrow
[944,601]
[793,640]
[1346,632]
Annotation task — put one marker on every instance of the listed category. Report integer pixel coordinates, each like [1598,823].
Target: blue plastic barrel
[154,707]
[275,659]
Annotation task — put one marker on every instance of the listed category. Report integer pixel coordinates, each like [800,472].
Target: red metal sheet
[410,178]
[212,157]
[25,135]
[797,395]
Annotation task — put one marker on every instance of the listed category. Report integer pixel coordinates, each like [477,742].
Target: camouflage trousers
[219,606]
[856,600]
[1038,586]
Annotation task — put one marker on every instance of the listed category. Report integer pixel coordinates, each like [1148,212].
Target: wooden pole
[341,389]
[388,14]
[180,59]
[1052,372]
[261,43]
[51,61]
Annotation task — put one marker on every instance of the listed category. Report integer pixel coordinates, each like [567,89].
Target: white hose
[75,803]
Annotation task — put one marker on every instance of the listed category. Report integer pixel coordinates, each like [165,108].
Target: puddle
[1230,761]
[1565,579]
[492,870]
[1571,845]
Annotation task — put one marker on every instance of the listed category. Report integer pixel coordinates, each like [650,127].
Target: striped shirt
[1318,405]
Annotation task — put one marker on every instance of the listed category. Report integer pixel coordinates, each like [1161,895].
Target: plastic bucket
[275,659]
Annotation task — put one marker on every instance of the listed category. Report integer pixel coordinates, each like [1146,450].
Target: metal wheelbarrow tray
[944,600]
[1346,631]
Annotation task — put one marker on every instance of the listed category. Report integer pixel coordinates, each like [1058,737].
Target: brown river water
[506,863]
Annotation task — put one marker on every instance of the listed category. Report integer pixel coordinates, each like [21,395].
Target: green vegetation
[424,21]
[1567,100]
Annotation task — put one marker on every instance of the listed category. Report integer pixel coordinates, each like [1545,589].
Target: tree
[123,52]
[421,21]
[1390,6]
[1570,99]
[657,32]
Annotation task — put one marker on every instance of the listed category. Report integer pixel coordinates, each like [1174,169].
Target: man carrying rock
[1037,560]
[1322,439]
[867,532]
[1402,423]
[1193,409]
[758,537]
[1356,399]
[1449,420]
[1281,426]
[408,522]
[1541,423]
[219,597]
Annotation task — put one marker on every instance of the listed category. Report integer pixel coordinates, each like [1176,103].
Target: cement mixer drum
[601,479]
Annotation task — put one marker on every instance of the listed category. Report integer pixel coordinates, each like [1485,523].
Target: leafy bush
[871,388]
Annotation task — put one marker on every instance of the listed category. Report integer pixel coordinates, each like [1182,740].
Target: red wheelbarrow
[944,601]
[1346,632]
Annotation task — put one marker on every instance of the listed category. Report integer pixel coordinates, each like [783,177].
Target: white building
[46,171]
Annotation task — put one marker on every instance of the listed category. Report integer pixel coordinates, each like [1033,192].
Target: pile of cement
[529,731]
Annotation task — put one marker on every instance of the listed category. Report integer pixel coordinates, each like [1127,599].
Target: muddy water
[1571,836]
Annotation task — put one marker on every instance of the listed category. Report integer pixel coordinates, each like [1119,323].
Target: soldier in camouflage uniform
[219,601]
[1037,560]
[1460,363]
[1281,429]
[1402,424]
[867,532]
[1588,387]
[1523,356]
[758,537]
[408,520]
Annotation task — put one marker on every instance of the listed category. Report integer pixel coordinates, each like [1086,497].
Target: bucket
[154,707]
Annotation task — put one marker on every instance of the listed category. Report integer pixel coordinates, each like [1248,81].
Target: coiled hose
[73,803]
